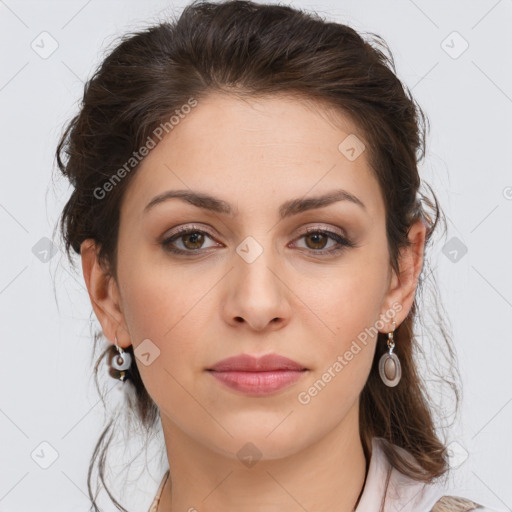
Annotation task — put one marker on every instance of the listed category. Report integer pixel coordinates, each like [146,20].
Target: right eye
[191,239]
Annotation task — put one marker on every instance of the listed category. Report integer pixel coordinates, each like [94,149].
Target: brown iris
[196,238]
[315,237]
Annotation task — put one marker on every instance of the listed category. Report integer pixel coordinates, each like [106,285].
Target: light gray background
[46,393]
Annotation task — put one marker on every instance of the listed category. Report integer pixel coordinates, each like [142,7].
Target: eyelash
[343,242]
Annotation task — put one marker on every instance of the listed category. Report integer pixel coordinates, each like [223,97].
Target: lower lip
[258,383]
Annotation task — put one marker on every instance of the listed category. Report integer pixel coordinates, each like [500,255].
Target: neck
[326,476]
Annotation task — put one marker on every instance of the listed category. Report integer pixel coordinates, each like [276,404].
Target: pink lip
[257,375]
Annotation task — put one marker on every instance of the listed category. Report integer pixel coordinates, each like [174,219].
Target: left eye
[319,237]
[192,241]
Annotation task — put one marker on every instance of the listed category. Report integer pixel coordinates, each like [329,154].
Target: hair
[249,50]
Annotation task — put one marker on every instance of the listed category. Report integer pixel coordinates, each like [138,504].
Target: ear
[402,288]
[104,295]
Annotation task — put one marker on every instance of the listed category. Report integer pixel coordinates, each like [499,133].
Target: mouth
[257,376]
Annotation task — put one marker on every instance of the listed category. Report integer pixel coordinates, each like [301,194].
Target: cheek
[347,301]
[161,310]
[345,311]
[163,324]
[157,296]
[350,308]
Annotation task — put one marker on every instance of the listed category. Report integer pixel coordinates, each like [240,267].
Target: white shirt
[388,490]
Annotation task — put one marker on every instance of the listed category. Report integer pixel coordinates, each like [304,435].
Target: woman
[247,210]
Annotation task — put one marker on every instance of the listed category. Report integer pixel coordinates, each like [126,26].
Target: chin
[258,440]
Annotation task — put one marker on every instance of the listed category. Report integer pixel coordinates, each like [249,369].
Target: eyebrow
[287,209]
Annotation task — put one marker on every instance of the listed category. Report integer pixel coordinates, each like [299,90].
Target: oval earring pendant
[122,361]
[390,369]
[118,362]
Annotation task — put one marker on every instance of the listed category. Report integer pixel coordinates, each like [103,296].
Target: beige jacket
[387,490]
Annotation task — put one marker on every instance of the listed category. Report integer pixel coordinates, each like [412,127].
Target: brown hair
[248,49]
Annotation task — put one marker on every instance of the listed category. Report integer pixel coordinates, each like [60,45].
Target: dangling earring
[118,362]
[390,369]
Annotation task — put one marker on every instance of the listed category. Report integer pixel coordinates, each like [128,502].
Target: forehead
[254,149]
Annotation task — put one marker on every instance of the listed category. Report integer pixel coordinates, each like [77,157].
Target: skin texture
[198,309]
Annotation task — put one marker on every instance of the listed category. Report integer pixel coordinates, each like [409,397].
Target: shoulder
[457,504]
[408,495]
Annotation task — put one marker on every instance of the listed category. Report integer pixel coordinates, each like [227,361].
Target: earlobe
[102,293]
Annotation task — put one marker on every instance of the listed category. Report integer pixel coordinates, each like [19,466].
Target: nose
[257,295]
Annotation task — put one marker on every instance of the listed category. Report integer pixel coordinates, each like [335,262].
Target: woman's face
[253,281]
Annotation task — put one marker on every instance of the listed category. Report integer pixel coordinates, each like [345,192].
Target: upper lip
[248,363]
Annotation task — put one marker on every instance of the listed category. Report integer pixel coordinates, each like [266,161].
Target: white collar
[388,490]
